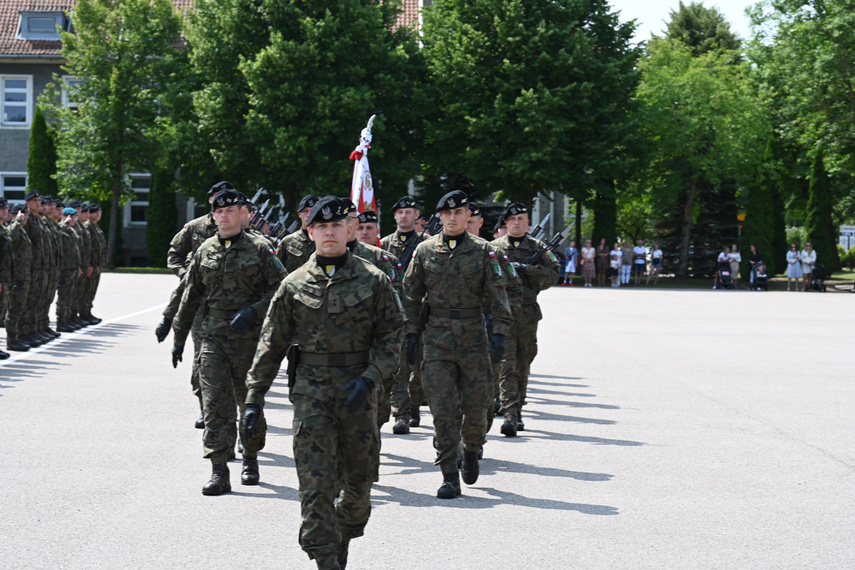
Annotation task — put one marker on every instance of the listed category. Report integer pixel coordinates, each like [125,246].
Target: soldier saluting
[457,277]
[338,318]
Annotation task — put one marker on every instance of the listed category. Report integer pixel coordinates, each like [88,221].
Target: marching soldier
[338,319]
[456,276]
[231,280]
[296,248]
[518,246]
[366,229]
[407,392]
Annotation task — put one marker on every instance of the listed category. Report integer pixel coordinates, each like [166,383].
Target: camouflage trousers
[35,303]
[459,393]
[223,364]
[337,454]
[526,351]
[90,290]
[64,295]
[15,307]
[404,389]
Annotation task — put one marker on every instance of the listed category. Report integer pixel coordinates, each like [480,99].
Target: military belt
[336,359]
[220,314]
[455,313]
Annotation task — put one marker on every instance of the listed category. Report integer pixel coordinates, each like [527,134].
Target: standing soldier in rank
[407,392]
[339,321]
[5,263]
[457,277]
[296,248]
[69,270]
[231,280]
[520,247]
[99,260]
[21,273]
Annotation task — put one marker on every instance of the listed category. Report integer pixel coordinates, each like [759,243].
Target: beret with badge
[220,186]
[307,202]
[475,208]
[405,202]
[513,209]
[453,200]
[367,217]
[329,209]
[31,195]
[226,198]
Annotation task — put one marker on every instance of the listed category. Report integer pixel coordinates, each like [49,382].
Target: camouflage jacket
[192,235]
[226,276]
[467,277]
[381,259]
[542,275]
[22,252]
[38,236]
[56,242]
[397,242]
[70,258]
[102,244]
[97,252]
[6,259]
[295,250]
[355,310]
[84,244]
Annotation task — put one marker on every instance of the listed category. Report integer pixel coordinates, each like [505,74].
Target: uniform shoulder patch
[550,255]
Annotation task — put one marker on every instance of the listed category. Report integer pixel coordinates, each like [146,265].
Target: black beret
[3,202]
[368,217]
[513,209]
[94,208]
[73,204]
[59,203]
[19,208]
[32,194]
[452,200]
[245,199]
[226,198]
[84,207]
[474,208]
[307,202]
[405,202]
[329,209]
[220,186]
[47,199]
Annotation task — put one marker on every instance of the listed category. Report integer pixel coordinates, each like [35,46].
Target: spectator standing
[755,258]
[614,269]
[722,260]
[639,263]
[808,258]
[655,264]
[735,259]
[571,255]
[794,267]
[626,260]
[588,259]
[602,262]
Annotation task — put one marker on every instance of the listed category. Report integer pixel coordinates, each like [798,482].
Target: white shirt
[639,250]
[734,257]
[723,257]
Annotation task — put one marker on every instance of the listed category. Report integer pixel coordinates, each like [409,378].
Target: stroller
[724,276]
[817,282]
[760,281]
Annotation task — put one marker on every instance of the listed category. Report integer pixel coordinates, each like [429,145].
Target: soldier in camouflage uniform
[84,244]
[40,260]
[70,270]
[296,248]
[519,247]
[407,392]
[21,274]
[457,277]
[340,321]
[366,229]
[99,260]
[231,280]
[181,249]
[5,264]
[51,219]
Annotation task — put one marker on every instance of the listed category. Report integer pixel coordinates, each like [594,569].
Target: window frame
[66,102]
[29,102]
[128,223]
[60,21]
[23,189]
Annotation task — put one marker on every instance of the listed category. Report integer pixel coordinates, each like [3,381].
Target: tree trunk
[578,223]
[686,230]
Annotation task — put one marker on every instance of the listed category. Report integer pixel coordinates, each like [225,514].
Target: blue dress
[794,268]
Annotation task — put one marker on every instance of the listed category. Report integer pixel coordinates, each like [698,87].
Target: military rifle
[550,245]
[538,229]
[257,218]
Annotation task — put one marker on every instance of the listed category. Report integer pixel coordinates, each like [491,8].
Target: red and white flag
[362,187]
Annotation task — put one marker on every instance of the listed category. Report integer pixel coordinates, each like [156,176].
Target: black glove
[249,420]
[411,345]
[488,323]
[162,330]
[243,319]
[519,267]
[177,351]
[497,348]
[362,388]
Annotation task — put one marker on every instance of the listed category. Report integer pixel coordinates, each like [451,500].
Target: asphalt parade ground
[666,429]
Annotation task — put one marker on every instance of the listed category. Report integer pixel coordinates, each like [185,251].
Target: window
[69,86]
[13,186]
[136,211]
[16,99]
[43,26]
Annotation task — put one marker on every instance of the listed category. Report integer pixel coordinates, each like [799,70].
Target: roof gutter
[36,58]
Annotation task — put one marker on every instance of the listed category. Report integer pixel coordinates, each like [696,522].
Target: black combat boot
[31,341]
[52,333]
[200,421]
[17,346]
[450,487]
[92,319]
[327,562]
[401,427]
[342,554]
[415,417]
[65,327]
[78,322]
[219,482]
[509,427]
[249,474]
[44,336]
[470,468]
[520,424]
[4,355]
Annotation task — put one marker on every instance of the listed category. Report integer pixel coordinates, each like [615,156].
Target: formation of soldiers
[367,332]
[48,250]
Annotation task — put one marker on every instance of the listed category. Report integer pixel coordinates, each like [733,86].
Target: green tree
[818,224]
[700,28]
[288,87]
[532,95]
[41,160]
[161,219]
[122,51]
[701,119]
[760,217]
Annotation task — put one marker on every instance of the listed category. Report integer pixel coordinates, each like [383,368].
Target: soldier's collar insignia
[329,270]
[227,243]
[402,237]
[452,243]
